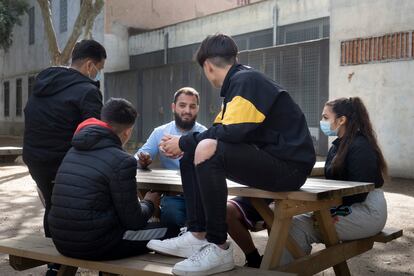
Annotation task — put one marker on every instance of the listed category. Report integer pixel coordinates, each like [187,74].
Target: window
[6,86]
[63,26]
[30,85]
[19,97]
[31,25]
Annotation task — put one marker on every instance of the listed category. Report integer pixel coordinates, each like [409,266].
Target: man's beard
[186,125]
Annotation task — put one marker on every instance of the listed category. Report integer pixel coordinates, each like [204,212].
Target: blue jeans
[173,212]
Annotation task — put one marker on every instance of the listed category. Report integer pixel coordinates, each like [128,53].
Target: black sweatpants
[205,187]
[44,176]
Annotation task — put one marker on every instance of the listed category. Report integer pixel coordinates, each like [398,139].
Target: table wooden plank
[313,189]
[318,169]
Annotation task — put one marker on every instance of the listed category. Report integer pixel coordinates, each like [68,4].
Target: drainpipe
[165,48]
[275,20]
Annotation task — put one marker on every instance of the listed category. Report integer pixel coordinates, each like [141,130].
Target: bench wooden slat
[37,250]
[9,154]
[11,150]
[324,259]
[388,234]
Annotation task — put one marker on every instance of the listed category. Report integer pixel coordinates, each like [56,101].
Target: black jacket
[94,198]
[258,111]
[62,98]
[361,165]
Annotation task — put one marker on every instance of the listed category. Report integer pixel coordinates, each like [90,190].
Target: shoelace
[204,250]
[183,230]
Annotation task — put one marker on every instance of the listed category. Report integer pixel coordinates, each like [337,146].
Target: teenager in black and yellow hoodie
[259,139]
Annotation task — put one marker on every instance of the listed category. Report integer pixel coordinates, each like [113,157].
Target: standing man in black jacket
[95,210]
[259,139]
[62,98]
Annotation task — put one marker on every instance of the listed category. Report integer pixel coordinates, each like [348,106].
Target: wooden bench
[9,154]
[322,260]
[31,251]
[316,195]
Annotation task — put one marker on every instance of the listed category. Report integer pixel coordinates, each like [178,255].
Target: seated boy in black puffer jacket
[95,210]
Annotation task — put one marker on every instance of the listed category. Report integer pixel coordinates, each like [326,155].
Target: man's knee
[205,150]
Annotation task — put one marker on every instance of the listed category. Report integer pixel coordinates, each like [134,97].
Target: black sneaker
[254,264]
[52,269]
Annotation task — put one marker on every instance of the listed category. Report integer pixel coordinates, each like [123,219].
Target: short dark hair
[187,91]
[119,113]
[88,48]
[220,48]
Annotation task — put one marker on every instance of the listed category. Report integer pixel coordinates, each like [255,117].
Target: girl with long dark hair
[354,156]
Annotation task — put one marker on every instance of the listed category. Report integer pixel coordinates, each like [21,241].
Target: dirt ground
[21,214]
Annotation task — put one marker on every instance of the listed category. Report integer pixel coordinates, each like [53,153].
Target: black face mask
[186,125]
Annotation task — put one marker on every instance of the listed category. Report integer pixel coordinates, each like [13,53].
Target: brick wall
[388,47]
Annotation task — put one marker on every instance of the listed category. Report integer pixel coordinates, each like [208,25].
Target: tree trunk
[89,23]
[50,32]
[88,13]
[84,22]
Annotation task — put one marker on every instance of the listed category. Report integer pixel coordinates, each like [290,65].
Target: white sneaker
[210,259]
[184,246]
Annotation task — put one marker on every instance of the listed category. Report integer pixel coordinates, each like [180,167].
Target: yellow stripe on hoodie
[239,110]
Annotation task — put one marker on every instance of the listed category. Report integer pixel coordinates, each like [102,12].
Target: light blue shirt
[151,146]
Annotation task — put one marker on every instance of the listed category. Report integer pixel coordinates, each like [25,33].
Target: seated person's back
[94,201]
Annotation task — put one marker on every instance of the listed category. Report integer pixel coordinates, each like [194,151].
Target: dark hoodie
[62,98]
[94,198]
[258,111]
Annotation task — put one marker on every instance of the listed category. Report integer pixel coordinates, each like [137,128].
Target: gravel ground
[21,213]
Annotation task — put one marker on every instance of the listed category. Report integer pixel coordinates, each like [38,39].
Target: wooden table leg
[277,238]
[267,214]
[330,238]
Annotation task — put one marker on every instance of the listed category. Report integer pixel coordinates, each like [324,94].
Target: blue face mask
[98,74]
[326,128]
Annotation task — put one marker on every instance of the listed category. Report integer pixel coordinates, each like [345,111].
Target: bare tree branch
[97,7]
[50,32]
[84,22]
[84,12]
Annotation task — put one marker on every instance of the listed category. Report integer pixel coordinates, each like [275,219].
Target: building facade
[29,54]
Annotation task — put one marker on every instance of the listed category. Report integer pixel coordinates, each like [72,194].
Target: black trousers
[205,187]
[44,176]
[135,242]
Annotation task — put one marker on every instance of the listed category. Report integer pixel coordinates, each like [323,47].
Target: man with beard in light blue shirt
[185,109]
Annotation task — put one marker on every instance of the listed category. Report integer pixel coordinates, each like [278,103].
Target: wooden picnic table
[316,195]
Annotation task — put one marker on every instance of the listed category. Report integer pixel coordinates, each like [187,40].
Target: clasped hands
[169,146]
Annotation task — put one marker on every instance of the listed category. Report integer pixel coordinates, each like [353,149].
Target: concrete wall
[158,13]
[110,28]
[240,20]
[387,87]
[123,16]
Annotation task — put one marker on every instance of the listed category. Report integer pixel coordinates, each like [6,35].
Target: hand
[144,159]
[154,197]
[169,146]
